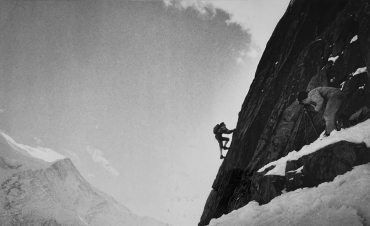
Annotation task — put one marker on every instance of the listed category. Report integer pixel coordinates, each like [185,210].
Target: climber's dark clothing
[220,138]
[335,102]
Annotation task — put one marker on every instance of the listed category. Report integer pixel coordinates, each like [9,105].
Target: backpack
[216,128]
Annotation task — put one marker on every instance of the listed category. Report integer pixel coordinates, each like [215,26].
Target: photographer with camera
[335,102]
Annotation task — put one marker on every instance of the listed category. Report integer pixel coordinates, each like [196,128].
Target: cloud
[72,155]
[98,157]
[235,9]
[256,17]
[91,175]
[251,51]
[37,140]
[205,8]
[232,15]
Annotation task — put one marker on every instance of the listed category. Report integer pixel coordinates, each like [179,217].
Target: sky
[342,202]
[130,90]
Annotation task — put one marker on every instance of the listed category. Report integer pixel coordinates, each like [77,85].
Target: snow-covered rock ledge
[357,134]
[342,202]
[317,163]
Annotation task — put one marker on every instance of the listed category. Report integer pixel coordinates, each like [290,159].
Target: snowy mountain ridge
[41,187]
[45,154]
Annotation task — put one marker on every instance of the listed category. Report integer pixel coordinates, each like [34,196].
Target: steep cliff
[35,192]
[316,43]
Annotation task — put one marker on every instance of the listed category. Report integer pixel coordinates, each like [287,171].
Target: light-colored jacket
[319,95]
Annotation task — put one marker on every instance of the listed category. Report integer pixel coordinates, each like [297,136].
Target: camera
[301,103]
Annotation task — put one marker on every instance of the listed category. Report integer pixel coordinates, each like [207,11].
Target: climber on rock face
[335,102]
[218,130]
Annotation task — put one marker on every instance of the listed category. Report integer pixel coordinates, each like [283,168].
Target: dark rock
[271,122]
[325,164]
[5,164]
[217,202]
[360,116]
[269,187]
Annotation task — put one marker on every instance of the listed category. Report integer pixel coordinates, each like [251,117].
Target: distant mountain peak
[46,154]
[37,192]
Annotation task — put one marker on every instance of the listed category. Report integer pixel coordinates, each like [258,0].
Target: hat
[302,95]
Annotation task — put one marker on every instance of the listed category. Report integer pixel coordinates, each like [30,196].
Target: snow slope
[343,202]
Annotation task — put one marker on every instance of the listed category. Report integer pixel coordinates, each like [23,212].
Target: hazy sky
[130,90]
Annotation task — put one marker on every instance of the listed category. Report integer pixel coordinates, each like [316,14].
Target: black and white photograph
[184,112]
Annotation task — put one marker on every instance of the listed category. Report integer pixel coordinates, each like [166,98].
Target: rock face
[316,43]
[325,165]
[34,193]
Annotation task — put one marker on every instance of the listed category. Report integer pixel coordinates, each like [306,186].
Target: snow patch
[354,39]
[359,71]
[46,154]
[333,59]
[341,85]
[356,134]
[299,170]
